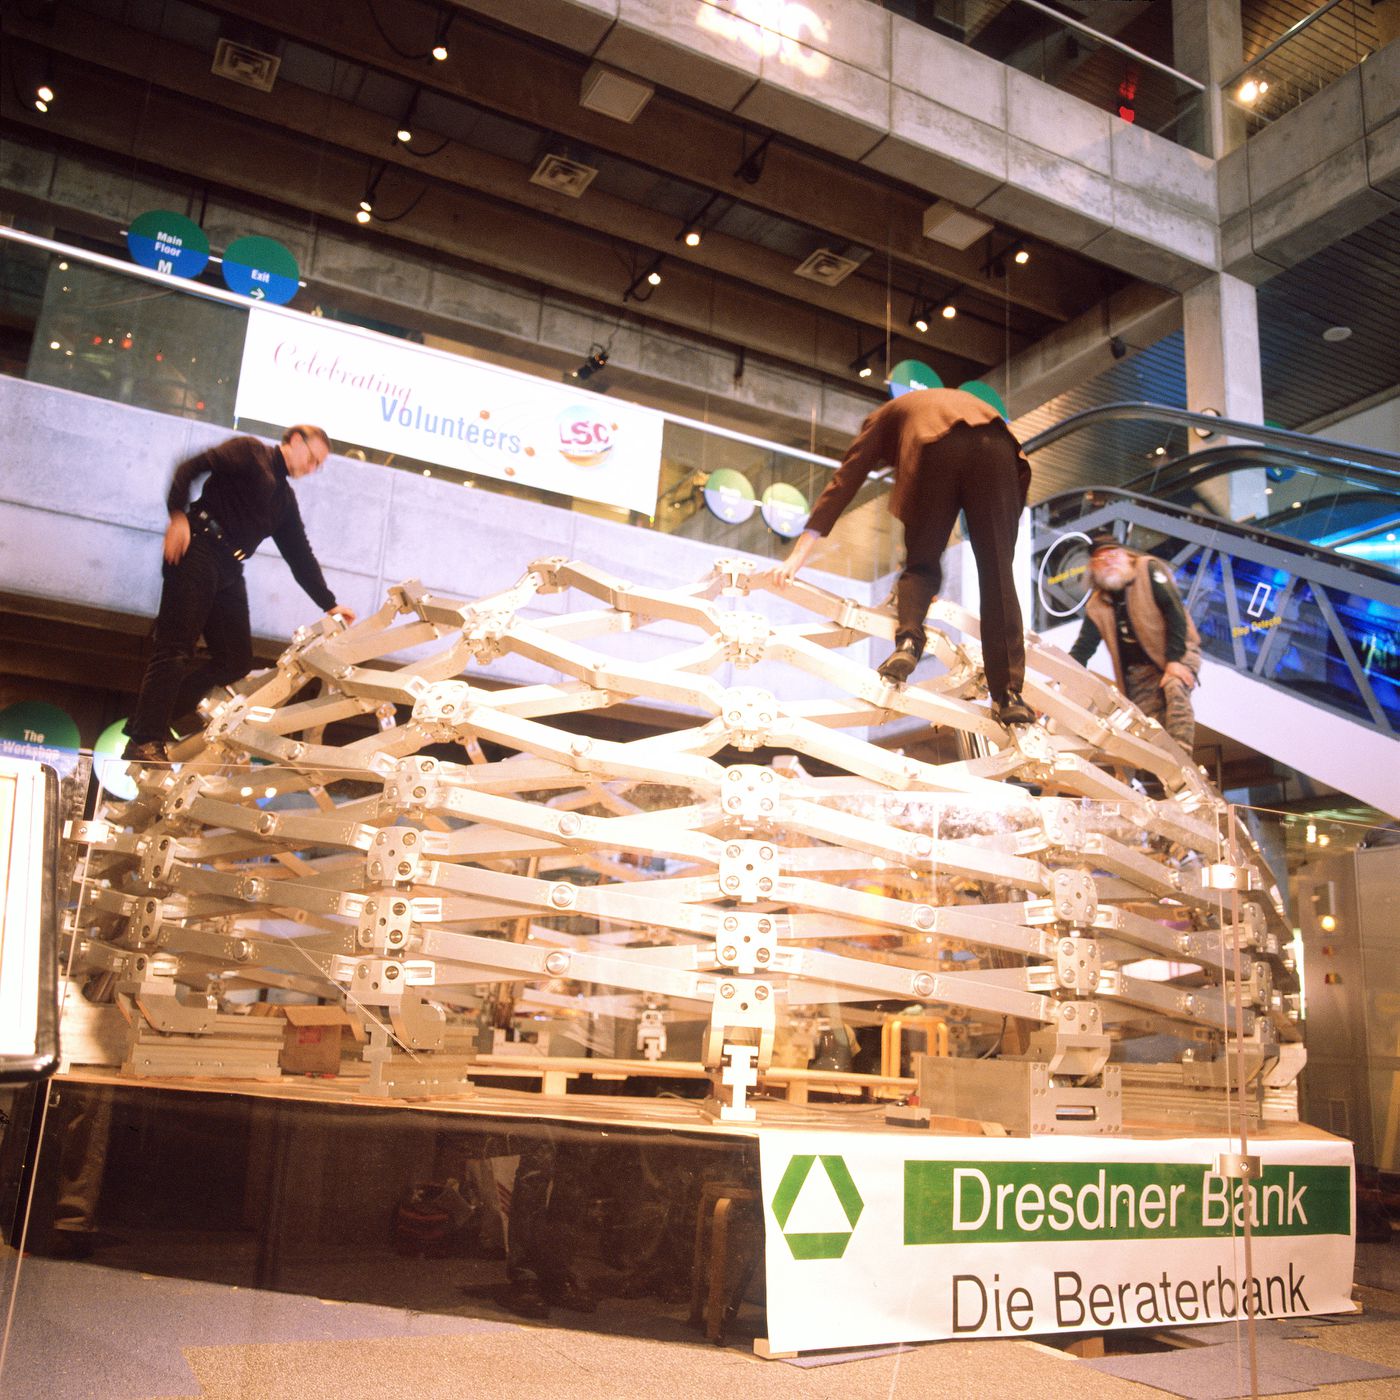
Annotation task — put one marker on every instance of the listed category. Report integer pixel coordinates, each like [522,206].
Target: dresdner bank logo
[828,1245]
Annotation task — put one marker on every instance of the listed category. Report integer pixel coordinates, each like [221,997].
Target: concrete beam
[509,74]
[1319,173]
[178,69]
[1074,354]
[876,87]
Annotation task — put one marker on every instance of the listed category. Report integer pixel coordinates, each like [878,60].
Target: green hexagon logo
[830,1245]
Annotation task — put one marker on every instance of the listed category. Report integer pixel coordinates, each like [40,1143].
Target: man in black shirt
[247,497]
[1134,608]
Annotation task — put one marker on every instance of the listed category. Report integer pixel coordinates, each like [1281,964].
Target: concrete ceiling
[136,86]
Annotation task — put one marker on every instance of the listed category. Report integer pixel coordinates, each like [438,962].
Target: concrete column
[1221,321]
[1207,44]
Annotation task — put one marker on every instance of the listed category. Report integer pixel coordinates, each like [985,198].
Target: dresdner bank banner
[895,1237]
[393,396]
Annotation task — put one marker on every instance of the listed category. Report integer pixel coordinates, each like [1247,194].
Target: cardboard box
[314,1036]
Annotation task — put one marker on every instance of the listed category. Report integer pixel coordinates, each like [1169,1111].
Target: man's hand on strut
[1176,671]
[346,615]
[787,570]
[177,537]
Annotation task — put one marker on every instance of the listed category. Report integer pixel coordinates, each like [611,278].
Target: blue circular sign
[729,495]
[168,242]
[261,268]
[785,510]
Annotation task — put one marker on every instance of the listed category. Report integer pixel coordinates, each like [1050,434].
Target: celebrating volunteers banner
[393,396]
[889,1237]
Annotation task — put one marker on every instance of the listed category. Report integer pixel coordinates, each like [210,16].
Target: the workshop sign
[893,1237]
[431,406]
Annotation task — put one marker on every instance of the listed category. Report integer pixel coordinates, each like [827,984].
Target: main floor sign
[436,407]
[895,1237]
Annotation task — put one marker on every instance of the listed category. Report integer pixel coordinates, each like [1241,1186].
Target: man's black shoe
[899,665]
[524,1298]
[145,751]
[1013,710]
[568,1292]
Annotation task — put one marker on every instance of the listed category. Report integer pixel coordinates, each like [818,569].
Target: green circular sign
[986,393]
[261,268]
[37,722]
[729,495]
[168,242]
[912,374]
[785,510]
[107,764]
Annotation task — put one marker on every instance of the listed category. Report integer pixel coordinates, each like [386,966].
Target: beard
[1111,580]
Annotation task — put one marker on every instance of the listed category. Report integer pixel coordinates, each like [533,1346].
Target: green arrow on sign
[831,1245]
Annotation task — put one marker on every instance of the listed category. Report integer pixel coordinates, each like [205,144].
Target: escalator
[1298,609]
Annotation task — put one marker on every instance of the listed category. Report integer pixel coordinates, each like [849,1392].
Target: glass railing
[1127,72]
[200,1137]
[1338,496]
[86,322]
[1291,56]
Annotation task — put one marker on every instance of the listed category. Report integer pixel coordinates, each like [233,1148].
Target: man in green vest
[1134,608]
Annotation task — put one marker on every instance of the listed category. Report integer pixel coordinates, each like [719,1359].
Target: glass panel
[1373,627]
[114,337]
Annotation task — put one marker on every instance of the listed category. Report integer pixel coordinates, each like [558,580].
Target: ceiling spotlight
[362,214]
[691,238]
[597,359]
[44,92]
[644,283]
[949,311]
[404,135]
[1021,257]
[439,49]
[865,371]
[921,322]
[1252,89]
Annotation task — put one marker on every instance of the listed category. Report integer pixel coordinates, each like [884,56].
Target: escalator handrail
[1212,462]
[1185,418]
[1108,495]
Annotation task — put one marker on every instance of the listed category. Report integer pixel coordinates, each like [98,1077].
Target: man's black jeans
[201,595]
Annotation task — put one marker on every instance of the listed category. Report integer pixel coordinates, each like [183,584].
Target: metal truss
[457,843]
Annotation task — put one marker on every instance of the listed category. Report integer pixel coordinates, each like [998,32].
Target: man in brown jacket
[950,452]
[1135,609]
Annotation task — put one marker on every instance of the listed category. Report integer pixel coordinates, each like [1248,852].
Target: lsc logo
[584,438]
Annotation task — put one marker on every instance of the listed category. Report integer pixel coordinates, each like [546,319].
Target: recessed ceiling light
[1336,333]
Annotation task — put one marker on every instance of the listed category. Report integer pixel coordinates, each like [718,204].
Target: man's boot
[145,751]
[899,665]
[1012,709]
